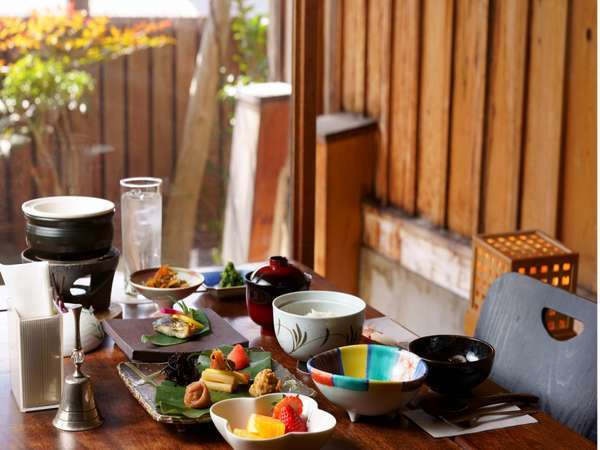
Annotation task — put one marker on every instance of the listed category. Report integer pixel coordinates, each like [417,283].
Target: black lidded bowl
[69,228]
[268,282]
[457,364]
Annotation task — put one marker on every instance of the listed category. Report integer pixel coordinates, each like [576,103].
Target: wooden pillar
[346,144]
[304,90]
[259,150]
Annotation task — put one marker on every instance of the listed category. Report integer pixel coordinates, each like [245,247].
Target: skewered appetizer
[221,376]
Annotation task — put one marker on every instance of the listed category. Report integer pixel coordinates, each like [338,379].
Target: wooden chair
[528,359]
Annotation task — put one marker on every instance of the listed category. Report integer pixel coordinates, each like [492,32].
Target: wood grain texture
[338,204]
[333,25]
[354,59]
[86,135]
[404,109]
[127,425]
[539,203]
[434,109]
[504,116]
[114,127]
[379,65]
[272,151]
[162,112]
[138,115]
[578,227]
[22,189]
[186,34]
[5,201]
[433,254]
[303,129]
[470,51]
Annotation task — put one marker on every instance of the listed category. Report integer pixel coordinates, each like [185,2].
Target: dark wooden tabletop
[127,425]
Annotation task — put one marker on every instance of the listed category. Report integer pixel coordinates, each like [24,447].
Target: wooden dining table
[127,425]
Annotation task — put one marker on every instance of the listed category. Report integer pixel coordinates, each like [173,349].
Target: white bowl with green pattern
[302,336]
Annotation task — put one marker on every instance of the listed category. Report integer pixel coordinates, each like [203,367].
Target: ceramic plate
[212,276]
[134,374]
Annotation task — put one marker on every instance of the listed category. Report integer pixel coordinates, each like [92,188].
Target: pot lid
[279,273]
[67,207]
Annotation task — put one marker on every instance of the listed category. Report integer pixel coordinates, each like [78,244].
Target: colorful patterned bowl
[368,380]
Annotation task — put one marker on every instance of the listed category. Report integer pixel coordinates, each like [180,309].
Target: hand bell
[78,410]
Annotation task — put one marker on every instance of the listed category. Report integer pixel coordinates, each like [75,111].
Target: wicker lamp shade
[531,253]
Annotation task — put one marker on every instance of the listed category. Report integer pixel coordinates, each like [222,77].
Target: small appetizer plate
[368,380]
[212,277]
[141,379]
[234,413]
[166,297]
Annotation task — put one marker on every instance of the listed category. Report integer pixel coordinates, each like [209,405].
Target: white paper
[437,428]
[29,289]
[392,330]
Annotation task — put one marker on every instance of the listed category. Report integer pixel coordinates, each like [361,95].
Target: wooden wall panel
[332,53]
[578,207]
[5,201]
[379,58]
[86,136]
[162,113]
[354,55]
[114,127]
[470,50]
[492,109]
[405,100]
[434,109]
[186,34]
[22,189]
[504,116]
[138,115]
[544,115]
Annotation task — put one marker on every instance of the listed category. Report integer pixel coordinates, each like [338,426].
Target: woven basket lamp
[531,253]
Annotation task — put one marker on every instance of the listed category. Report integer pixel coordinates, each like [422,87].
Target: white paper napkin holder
[36,361]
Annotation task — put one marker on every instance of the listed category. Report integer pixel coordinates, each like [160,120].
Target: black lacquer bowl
[456,364]
[69,228]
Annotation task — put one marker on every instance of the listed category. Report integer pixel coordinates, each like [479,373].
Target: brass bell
[78,410]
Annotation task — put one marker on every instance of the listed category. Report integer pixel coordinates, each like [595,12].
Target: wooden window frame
[307,15]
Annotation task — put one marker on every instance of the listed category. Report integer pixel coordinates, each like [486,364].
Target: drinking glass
[141,224]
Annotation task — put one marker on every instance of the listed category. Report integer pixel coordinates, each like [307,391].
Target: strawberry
[292,420]
[294,402]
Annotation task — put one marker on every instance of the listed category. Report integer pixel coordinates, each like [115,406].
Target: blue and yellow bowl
[368,380]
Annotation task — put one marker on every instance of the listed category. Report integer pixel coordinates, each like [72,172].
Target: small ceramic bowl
[368,379]
[457,364]
[302,336]
[69,227]
[234,413]
[166,297]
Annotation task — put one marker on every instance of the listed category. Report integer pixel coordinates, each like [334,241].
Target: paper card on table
[387,331]
[437,428]
[29,288]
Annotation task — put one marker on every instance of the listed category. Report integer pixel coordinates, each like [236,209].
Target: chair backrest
[528,359]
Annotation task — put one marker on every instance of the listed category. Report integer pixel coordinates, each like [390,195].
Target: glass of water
[141,224]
